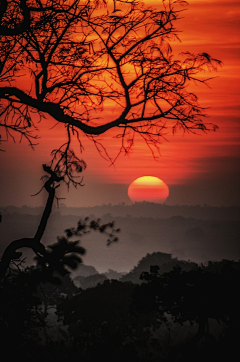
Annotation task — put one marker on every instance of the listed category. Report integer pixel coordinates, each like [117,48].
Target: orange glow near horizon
[148,188]
[207,158]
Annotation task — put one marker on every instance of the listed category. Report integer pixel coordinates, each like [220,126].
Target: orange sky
[205,159]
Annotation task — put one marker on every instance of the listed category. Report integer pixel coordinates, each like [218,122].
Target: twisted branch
[11,252]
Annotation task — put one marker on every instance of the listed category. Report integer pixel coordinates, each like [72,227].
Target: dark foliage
[102,325]
[179,315]
[195,296]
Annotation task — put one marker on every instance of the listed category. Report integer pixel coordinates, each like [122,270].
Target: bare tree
[79,57]
[16,15]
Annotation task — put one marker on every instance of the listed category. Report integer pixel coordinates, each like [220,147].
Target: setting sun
[148,188]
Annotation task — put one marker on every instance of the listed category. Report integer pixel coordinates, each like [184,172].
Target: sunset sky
[199,169]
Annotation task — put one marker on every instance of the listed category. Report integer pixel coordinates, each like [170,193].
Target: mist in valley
[191,233]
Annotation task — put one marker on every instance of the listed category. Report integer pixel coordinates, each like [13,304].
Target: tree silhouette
[21,314]
[66,62]
[102,324]
[80,56]
[16,16]
[195,296]
[56,259]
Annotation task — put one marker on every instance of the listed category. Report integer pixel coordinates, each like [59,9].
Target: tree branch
[34,243]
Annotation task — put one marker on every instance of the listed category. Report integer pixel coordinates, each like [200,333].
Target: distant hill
[206,234]
[87,276]
[165,262]
[90,281]
[85,271]
[140,209]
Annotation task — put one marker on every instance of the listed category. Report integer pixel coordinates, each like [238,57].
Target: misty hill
[165,262]
[87,276]
[185,238]
[85,271]
[90,281]
[140,209]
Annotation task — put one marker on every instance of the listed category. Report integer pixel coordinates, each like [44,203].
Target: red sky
[198,168]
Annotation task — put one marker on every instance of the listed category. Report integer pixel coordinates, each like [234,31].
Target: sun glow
[148,188]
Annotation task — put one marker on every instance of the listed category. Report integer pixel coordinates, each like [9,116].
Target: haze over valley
[191,233]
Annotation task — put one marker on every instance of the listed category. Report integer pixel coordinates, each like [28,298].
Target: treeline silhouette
[165,309]
[139,209]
